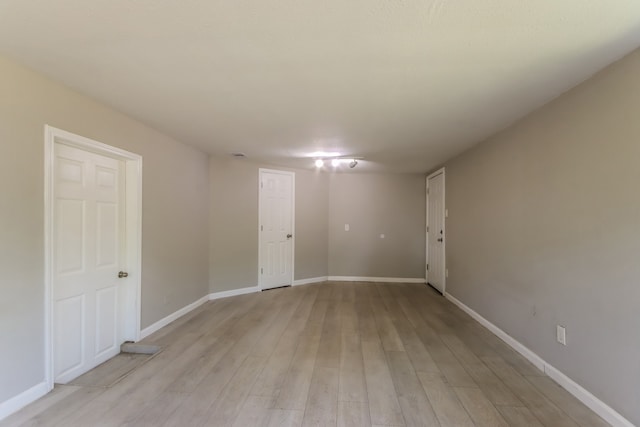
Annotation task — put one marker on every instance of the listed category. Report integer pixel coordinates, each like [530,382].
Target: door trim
[444,226]
[293,221]
[133,233]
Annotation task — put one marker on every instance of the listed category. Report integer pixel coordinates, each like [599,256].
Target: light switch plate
[561,334]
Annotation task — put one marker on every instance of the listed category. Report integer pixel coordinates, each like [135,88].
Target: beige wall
[175,218]
[374,204]
[312,225]
[371,203]
[544,229]
[234,223]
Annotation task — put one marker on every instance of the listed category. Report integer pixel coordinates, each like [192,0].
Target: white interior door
[276,228]
[88,251]
[436,231]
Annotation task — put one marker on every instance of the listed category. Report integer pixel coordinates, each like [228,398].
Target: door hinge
[427,191]
[427,228]
[261,228]
[427,267]
[261,184]
[262,271]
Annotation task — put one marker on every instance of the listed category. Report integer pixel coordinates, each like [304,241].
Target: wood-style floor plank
[111,371]
[576,410]
[546,411]
[295,388]
[386,329]
[255,412]
[335,354]
[519,416]
[352,384]
[414,403]
[285,418]
[446,405]
[322,403]
[495,390]
[31,412]
[353,414]
[64,412]
[227,406]
[155,412]
[383,400]
[481,410]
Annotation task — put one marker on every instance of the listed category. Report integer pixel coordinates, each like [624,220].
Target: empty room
[337,213]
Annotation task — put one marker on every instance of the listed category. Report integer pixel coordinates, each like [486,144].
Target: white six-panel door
[276,228]
[88,246]
[436,270]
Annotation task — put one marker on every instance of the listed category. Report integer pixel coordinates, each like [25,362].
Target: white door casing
[436,234]
[92,232]
[276,228]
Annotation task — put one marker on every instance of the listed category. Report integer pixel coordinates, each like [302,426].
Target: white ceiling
[405,83]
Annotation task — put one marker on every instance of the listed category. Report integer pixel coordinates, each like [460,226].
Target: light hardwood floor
[335,354]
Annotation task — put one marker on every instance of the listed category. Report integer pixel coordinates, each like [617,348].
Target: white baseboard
[311,280]
[516,345]
[184,310]
[18,402]
[596,405]
[173,316]
[376,279]
[233,292]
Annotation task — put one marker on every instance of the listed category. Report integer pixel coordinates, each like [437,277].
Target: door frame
[293,221]
[444,226]
[133,234]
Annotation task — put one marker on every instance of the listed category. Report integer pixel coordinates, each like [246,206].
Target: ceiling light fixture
[352,162]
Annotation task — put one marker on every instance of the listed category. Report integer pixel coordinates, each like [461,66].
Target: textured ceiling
[406,84]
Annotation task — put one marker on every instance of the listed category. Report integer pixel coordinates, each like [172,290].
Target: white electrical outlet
[561,335]
[346,227]
[382,236]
